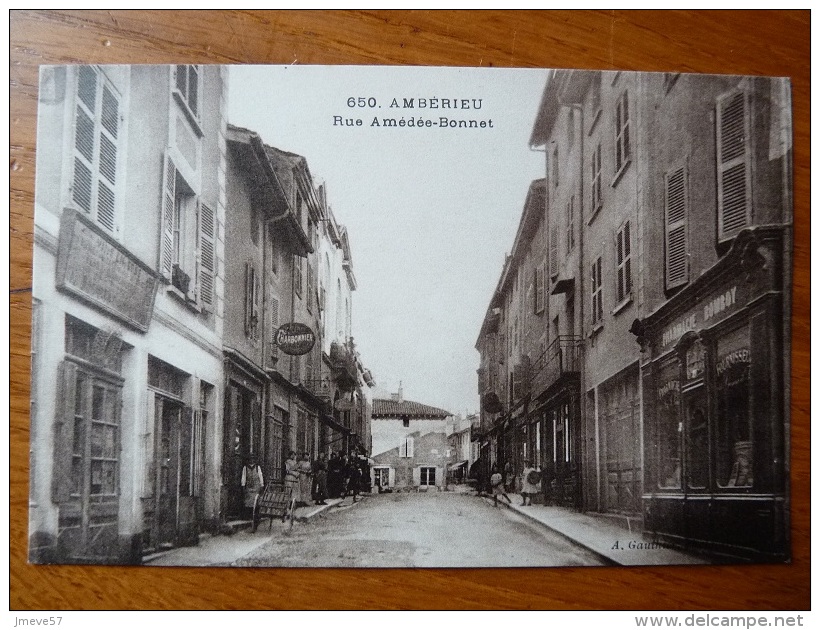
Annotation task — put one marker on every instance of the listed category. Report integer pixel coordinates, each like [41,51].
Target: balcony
[561,358]
[343,360]
[319,387]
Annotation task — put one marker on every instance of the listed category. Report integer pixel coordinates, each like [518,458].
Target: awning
[457,465]
[331,422]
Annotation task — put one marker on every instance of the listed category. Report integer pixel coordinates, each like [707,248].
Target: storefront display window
[669,427]
[734,440]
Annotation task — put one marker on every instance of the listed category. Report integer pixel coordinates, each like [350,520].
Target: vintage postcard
[310,316]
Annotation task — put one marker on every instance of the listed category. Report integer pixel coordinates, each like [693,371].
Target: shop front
[714,407]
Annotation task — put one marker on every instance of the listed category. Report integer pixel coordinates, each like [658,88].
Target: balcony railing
[562,357]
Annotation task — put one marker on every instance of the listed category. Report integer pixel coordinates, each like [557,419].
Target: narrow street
[431,529]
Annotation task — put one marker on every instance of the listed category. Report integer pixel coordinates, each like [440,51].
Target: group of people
[503,482]
[325,478]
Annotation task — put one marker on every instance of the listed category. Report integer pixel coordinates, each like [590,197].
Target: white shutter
[166,249]
[677,209]
[207,256]
[733,164]
[391,477]
[409,447]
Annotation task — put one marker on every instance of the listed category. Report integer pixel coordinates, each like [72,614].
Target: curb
[605,559]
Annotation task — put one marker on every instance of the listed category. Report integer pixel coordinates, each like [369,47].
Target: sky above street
[430,211]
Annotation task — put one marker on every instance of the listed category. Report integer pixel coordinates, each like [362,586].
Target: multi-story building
[410,449]
[667,220]
[344,380]
[128,310]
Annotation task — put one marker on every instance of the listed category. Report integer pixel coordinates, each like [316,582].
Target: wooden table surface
[745,42]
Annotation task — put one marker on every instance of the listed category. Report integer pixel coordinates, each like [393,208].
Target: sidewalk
[222,550]
[616,544]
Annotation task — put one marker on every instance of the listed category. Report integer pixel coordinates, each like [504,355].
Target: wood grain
[744,42]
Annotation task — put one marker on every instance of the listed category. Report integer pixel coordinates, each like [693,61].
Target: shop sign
[714,309]
[294,338]
[94,267]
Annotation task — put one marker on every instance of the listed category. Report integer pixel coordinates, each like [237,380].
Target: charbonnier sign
[295,338]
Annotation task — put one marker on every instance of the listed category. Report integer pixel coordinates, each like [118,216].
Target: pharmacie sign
[712,310]
[294,338]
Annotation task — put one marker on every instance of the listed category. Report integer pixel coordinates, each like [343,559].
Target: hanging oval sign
[295,338]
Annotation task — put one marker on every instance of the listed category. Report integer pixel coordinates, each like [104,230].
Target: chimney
[401,393]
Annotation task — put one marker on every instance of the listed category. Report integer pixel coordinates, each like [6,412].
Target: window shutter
[554,251]
[257,292]
[207,256]
[248,297]
[677,205]
[64,432]
[734,176]
[410,447]
[166,250]
[109,119]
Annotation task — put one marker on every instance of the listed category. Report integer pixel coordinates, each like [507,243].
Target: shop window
[623,251]
[87,439]
[669,427]
[96,146]
[734,434]
[622,142]
[677,211]
[733,164]
[697,445]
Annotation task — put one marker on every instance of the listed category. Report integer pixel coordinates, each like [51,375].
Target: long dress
[292,479]
[526,486]
[305,477]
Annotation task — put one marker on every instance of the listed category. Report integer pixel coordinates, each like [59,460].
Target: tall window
[187,250]
[553,247]
[539,272]
[570,228]
[96,143]
[298,273]
[595,179]
[677,210]
[253,293]
[623,249]
[555,167]
[622,147]
[597,292]
[734,164]
[427,476]
[187,82]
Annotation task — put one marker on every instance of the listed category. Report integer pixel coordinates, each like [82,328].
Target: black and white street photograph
[371,316]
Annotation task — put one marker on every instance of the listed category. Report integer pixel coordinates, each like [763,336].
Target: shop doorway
[242,442]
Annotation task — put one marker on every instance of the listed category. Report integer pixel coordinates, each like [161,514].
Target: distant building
[410,448]
[461,446]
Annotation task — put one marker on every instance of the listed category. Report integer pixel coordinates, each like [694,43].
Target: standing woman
[305,477]
[292,478]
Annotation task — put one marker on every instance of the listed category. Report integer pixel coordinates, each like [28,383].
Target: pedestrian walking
[252,483]
[334,476]
[497,485]
[530,481]
[509,477]
[305,476]
[320,479]
[292,479]
[354,477]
